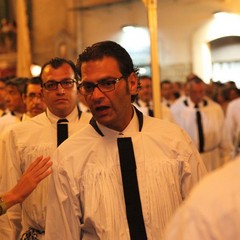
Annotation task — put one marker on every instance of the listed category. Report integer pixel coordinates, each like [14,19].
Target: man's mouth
[102,108]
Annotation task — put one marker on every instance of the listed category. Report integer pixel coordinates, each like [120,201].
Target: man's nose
[60,89]
[97,93]
[37,99]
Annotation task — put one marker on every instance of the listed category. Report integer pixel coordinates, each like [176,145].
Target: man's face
[112,109]
[14,100]
[145,93]
[60,102]
[2,95]
[34,100]
[167,91]
[197,92]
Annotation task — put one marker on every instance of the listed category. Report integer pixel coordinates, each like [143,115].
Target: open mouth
[102,108]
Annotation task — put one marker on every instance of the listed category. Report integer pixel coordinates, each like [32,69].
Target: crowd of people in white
[197,118]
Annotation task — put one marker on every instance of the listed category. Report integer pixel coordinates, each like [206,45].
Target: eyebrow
[66,78]
[101,79]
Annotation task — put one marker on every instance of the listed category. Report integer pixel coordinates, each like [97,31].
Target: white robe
[165,111]
[86,194]
[233,125]
[20,146]
[6,121]
[216,148]
[212,211]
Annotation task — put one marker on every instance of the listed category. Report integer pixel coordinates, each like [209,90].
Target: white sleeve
[187,224]
[231,127]
[63,203]
[10,173]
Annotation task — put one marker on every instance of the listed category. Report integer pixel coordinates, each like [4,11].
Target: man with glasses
[123,175]
[15,104]
[33,98]
[143,101]
[39,137]
[25,101]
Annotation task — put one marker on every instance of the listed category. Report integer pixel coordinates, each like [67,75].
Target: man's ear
[24,98]
[133,83]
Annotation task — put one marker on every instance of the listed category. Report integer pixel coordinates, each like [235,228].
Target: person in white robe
[215,150]
[16,107]
[212,211]
[167,97]
[86,196]
[144,103]
[38,137]
[33,99]
[233,126]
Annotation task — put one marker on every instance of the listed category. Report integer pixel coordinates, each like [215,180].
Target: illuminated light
[128,28]
[35,70]
[142,71]
[135,39]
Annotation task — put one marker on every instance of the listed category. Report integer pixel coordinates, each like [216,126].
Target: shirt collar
[144,104]
[72,117]
[192,104]
[132,127]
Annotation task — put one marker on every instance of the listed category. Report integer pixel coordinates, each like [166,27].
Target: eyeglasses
[53,85]
[106,85]
[31,96]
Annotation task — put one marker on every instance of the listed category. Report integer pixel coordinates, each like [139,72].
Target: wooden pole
[153,30]
[23,41]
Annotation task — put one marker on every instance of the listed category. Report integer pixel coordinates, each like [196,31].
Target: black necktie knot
[62,120]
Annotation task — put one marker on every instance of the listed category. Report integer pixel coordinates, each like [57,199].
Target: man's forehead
[33,88]
[50,72]
[100,68]
[145,81]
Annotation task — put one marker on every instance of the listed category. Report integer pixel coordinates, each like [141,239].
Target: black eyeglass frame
[34,95]
[56,83]
[100,85]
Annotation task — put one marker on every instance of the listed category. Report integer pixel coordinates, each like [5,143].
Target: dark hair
[18,82]
[5,79]
[165,81]
[196,79]
[33,80]
[110,49]
[58,62]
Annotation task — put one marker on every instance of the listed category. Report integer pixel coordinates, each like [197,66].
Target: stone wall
[176,72]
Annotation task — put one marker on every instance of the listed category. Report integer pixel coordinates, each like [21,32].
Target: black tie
[150,111]
[200,129]
[62,130]
[131,191]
